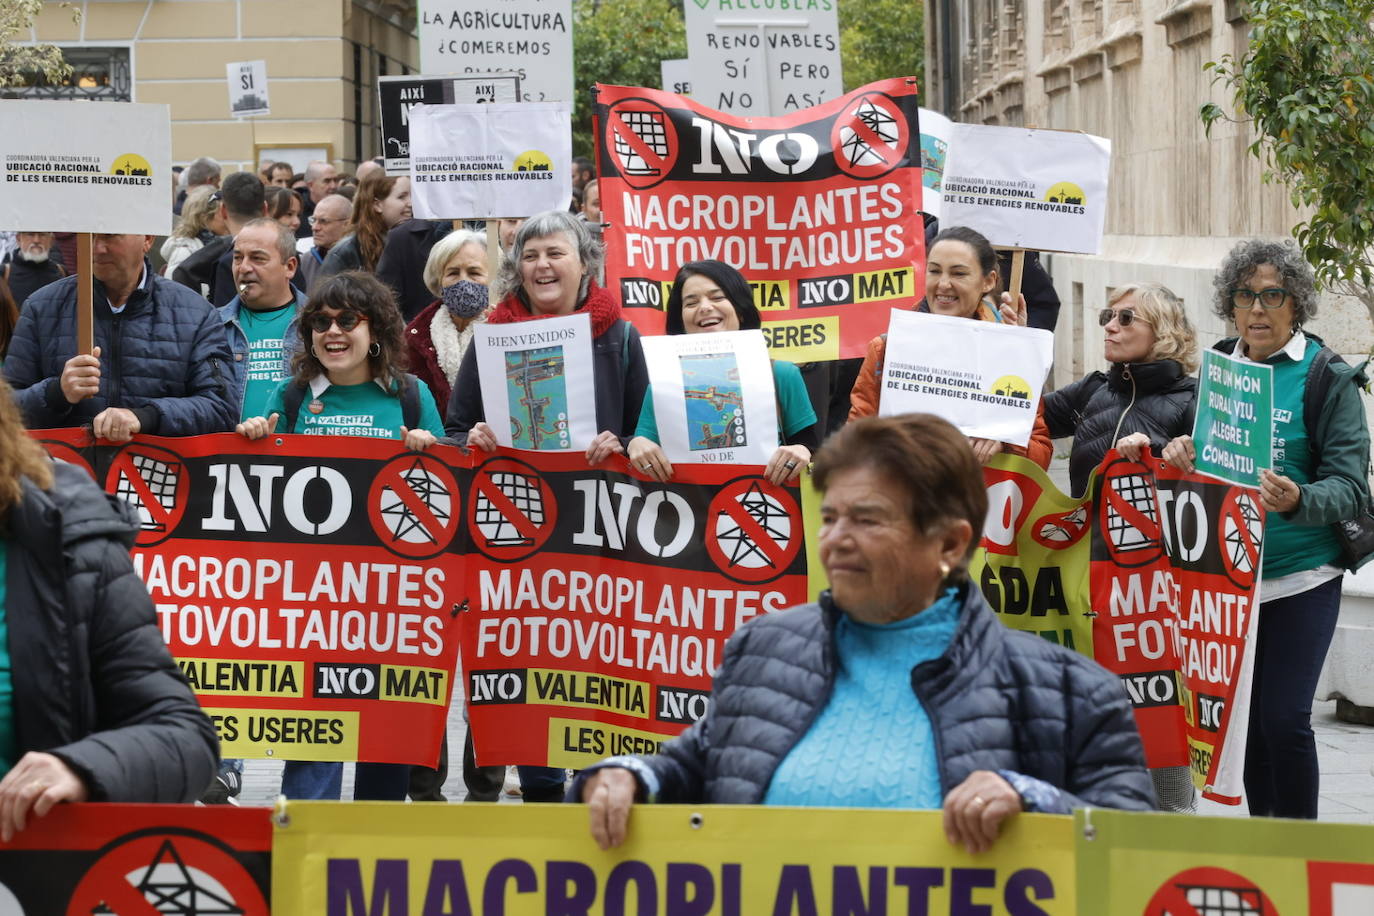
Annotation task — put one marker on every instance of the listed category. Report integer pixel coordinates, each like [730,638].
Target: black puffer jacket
[997,700]
[1165,400]
[93,682]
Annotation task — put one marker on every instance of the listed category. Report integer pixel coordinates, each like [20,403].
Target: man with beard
[33,265]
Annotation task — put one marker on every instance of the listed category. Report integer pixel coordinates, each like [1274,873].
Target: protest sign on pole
[1044,190]
[532,38]
[397,95]
[982,376]
[713,397]
[492,160]
[601,602]
[119,858]
[935,134]
[248,88]
[677,75]
[1233,432]
[817,209]
[305,585]
[763,59]
[537,381]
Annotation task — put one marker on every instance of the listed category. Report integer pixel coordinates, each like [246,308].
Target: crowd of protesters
[282,285]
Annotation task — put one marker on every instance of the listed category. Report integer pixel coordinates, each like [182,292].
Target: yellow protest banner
[373,858]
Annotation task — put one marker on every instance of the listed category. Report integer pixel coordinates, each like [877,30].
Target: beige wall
[1131,71]
[180,49]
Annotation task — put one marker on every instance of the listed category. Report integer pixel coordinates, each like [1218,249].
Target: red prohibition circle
[139,872]
[414,506]
[1240,532]
[871,136]
[1060,530]
[1130,526]
[640,138]
[64,452]
[155,482]
[753,530]
[1209,891]
[511,510]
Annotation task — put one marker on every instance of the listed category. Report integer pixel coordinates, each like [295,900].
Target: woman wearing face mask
[710,296]
[438,337]
[347,380]
[381,204]
[961,281]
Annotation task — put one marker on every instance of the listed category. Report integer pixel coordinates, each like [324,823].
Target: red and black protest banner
[306,586]
[1174,564]
[601,602]
[818,209]
[139,859]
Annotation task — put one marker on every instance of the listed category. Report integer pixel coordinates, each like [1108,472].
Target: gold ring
[978,799]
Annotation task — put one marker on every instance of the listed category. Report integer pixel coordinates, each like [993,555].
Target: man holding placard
[159,365]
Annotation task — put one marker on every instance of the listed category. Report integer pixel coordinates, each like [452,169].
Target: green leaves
[19,62]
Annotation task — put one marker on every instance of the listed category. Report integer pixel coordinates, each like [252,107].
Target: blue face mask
[465,299]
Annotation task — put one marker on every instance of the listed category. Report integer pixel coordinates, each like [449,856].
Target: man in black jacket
[35,264]
[242,198]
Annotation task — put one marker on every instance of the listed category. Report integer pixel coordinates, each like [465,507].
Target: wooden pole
[85,317]
[1018,266]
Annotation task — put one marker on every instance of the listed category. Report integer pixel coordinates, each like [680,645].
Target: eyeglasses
[1123,317]
[321,221]
[1272,298]
[347,320]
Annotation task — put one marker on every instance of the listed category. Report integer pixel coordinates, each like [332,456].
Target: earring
[944,570]
[375,349]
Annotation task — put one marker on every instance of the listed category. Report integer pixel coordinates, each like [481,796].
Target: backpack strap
[1318,386]
[291,406]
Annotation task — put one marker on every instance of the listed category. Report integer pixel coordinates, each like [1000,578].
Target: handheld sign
[84,169]
[1040,189]
[490,161]
[983,377]
[248,88]
[935,132]
[532,38]
[677,75]
[763,59]
[538,391]
[1233,432]
[397,95]
[714,399]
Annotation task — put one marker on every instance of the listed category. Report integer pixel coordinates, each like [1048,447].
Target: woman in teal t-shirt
[347,380]
[710,296]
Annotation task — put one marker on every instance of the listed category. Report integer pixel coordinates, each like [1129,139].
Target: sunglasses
[1271,298]
[347,320]
[1123,317]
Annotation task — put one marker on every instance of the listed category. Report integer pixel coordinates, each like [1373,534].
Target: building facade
[323,58]
[1130,71]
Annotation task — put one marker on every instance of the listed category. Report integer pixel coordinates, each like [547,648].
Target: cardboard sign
[935,134]
[677,76]
[531,38]
[815,208]
[86,168]
[714,400]
[1233,433]
[397,95]
[1039,189]
[764,58]
[248,88]
[538,388]
[602,601]
[493,160]
[983,377]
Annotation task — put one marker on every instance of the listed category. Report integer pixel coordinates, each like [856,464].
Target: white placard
[530,37]
[537,382]
[982,376]
[763,59]
[1040,189]
[935,133]
[72,167]
[677,75]
[248,88]
[490,161]
[714,399]
[397,95]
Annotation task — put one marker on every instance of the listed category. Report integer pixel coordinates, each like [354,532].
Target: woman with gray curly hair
[550,272]
[1321,453]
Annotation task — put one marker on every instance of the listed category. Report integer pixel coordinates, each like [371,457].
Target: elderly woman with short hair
[437,339]
[900,665]
[1318,479]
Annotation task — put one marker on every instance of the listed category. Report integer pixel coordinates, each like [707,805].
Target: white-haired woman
[438,337]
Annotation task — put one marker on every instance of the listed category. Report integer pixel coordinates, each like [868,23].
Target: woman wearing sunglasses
[347,380]
[1145,398]
[1317,480]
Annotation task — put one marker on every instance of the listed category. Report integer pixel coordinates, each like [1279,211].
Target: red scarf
[599,304]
